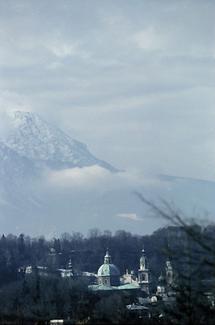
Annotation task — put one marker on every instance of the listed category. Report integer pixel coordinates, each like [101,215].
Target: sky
[134,80]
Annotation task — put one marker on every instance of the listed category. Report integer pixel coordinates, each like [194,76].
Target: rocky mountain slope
[39,141]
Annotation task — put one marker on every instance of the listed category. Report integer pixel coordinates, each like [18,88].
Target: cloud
[133,82]
[150,39]
[85,178]
[98,178]
[10,102]
[130,216]
[63,49]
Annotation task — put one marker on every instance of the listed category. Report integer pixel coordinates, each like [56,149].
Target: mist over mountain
[51,183]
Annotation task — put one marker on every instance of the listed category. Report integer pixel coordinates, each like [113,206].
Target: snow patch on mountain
[34,138]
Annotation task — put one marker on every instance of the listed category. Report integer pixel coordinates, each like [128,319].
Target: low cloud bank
[96,177]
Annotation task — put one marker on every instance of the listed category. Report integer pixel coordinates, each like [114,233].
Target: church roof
[108,269]
[129,286]
[100,287]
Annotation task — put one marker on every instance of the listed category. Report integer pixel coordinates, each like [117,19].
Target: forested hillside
[35,297]
[86,253]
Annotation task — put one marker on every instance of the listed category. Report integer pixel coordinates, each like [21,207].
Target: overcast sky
[132,79]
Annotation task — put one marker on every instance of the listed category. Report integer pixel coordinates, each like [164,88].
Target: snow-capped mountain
[33,156]
[37,140]
[32,149]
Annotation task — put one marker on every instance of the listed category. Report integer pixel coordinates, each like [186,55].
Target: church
[108,277]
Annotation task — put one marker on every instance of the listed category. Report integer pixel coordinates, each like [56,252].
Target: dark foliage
[41,298]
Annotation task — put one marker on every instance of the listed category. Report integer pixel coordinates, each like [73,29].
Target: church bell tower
[143,273]
[169,274]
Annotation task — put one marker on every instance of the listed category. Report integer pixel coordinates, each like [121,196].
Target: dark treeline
[191,251]
[87,253]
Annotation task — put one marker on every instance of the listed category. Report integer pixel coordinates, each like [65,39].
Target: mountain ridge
[49,146]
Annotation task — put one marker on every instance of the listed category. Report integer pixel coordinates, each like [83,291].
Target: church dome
[108,270]
[108,273]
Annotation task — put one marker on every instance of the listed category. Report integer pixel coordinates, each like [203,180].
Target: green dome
[108,270]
